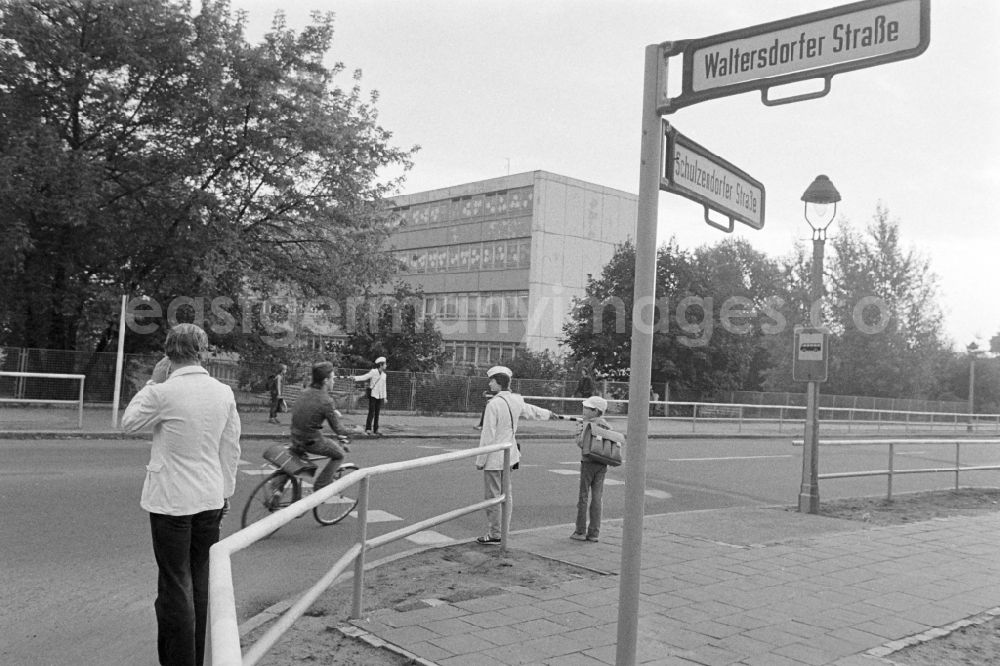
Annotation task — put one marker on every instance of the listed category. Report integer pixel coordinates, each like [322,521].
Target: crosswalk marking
[429,537]
[608,481]
[378,516]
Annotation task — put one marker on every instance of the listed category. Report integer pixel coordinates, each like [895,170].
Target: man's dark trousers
[181,544]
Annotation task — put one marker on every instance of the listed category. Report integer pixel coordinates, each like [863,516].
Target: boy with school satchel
[599,447]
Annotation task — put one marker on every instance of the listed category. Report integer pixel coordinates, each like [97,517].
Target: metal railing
[891,470]
[225,635]
[740,414]
[50,401]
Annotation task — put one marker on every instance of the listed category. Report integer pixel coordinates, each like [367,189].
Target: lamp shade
[821,191]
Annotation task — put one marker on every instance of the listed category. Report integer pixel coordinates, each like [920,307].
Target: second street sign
[694,172]
[817,45]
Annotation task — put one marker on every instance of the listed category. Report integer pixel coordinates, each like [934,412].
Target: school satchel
[604,446]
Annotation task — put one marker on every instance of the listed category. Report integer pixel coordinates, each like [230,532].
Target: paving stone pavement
[760,586]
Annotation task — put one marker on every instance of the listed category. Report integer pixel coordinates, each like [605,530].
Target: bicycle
[286,485]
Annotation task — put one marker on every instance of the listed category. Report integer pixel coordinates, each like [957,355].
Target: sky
[491,88]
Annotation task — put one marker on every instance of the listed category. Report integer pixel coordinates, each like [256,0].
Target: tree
[528,364]
[149,152]
[391,326]
[708,325]
[884,314]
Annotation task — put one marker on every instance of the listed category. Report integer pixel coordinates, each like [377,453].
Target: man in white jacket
[189,479]
[499,427]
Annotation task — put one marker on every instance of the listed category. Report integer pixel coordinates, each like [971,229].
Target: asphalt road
[78,573]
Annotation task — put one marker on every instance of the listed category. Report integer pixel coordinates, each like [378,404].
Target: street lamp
[820,199]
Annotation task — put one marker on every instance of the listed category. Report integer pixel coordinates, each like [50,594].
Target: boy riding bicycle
[312,409]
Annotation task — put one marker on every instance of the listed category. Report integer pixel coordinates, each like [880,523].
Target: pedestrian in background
[499,427]
[189,479]
[276,386]
[377,394]
[592,472]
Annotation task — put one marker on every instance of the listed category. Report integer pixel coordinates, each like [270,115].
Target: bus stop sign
[810,358]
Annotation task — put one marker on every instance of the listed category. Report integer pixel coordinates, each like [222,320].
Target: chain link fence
[427,393]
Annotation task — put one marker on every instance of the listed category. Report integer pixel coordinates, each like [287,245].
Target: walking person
[592,472]
[499,427]
[189,479]
[276,386]
[377,394]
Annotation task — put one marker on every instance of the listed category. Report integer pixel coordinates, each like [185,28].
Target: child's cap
[596,402]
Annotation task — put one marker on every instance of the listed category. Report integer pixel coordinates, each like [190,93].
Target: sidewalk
[761,586]
[49,423]
[56,423]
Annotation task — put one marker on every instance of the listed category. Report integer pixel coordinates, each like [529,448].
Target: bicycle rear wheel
[273,493]
[337,507]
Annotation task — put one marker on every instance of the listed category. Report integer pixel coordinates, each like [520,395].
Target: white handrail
[846,414]
[50,375]
[891,471]
[225,637]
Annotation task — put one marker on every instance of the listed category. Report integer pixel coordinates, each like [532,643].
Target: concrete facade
[501,260]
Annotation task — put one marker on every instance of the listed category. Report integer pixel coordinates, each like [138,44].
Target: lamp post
[819,214]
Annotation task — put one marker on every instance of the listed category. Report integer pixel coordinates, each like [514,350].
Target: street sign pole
[641,361]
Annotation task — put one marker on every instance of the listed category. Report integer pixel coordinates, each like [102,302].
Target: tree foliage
[392,327]
[884,309]
[149,152]
[707,323]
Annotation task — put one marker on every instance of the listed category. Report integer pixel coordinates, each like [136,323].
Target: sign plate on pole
[695,173]
[810,358]
[816,45]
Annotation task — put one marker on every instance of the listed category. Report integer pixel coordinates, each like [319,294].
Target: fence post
[413,392]
[22,366]
[357,605]
[888,495]
[958,448]
[694,416]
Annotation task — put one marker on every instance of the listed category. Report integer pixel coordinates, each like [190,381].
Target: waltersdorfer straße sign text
[814,45]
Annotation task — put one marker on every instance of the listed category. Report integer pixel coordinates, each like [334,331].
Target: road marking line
[728,458]
[566,472]
[428,538]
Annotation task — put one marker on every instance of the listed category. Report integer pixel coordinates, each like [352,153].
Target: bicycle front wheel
[337,507]
[273,493]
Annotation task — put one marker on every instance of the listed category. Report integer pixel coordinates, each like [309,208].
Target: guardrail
[225,635]
[892,471]
[46,401]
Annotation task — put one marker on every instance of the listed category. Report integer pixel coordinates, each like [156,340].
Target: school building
[500,260]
